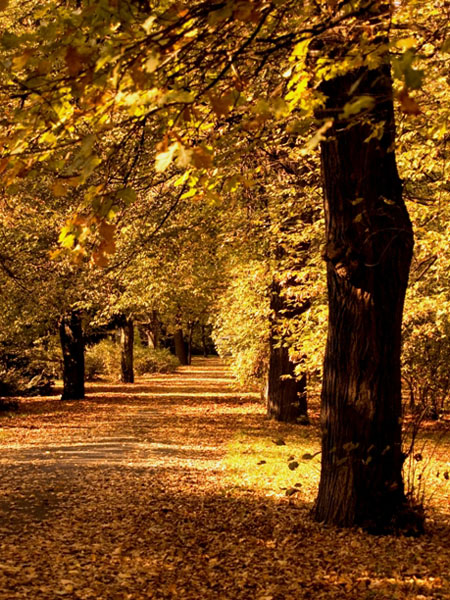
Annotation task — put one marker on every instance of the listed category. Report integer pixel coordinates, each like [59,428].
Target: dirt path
[124,497]
[170,423]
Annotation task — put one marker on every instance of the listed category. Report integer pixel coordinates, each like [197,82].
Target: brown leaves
[408,105]
[61,187]
[125,495]
[202,158]
[74,61]
[107,244]
[222,104]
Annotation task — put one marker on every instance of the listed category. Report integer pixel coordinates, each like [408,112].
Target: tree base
[409,521]
[72,397]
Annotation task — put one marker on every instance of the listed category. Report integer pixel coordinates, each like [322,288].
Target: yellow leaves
[80,229]
[147,25]
[403,70]
[67,236]
[405,43]
[20,61]
[152,63]
[61,186]
[318,137]
[359,104]
[301,50]
[4,4]
[200,156]
[164,159]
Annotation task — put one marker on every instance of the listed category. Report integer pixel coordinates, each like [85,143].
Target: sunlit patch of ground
[178,487]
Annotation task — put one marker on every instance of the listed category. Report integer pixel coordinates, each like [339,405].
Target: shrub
[28,371]
[426,356]
[104,359]
[94,365]
[149,360]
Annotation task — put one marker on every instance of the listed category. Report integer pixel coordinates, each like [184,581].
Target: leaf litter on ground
[176,487]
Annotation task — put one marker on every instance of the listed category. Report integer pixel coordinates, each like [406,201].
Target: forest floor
[179,487]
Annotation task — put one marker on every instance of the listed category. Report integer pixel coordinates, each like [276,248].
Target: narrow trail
[173,424]
[124,496]
[148,424]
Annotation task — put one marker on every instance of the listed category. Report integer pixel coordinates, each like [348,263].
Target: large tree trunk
[126,351]
[286,395]
[368,252]
[72,345]
[180,347]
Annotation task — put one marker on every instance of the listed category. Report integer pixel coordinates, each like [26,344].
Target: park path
[102,498]
[126,496]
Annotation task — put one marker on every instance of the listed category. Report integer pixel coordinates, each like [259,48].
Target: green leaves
[403,69]
[357,105]
[128,195]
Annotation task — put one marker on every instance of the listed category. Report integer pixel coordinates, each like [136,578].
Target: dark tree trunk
[368,251]
[153,331]
[180,347]
[204,341]
[189,344]
[72,345]
[286,395]
[126,351]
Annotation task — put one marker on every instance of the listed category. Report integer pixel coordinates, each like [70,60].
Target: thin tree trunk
[180,347]
[126,351]
[286,395]
[368,252]
[154,330]
[72,345]
[189,344]
[204,343]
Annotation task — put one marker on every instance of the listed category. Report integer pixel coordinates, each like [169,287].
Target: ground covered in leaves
[178,487]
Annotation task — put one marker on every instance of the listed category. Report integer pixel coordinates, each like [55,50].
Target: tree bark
[153,330]
[72,345]
[369,244]
[204,342]
[180,347]
[191,327]
[285,394]
[126,351]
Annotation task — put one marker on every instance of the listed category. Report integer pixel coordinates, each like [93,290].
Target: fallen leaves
[140,504]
